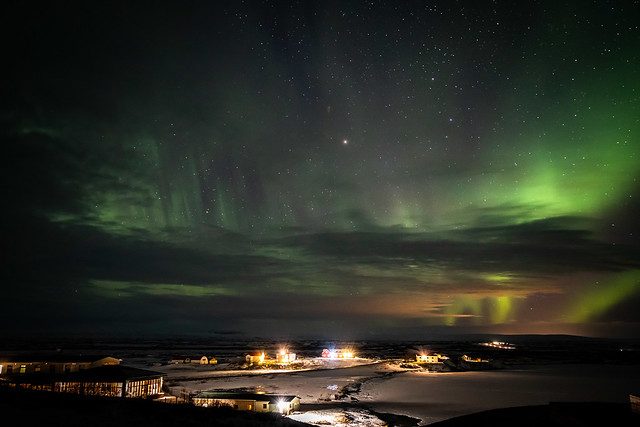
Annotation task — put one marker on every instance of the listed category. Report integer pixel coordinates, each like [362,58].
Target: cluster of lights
[499,344]
[283,356]
[337,354]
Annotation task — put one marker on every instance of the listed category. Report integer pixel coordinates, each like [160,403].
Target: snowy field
[434,397]
[352,392]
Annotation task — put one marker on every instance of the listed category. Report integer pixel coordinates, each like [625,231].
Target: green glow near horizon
[500,310]
[481,309]
[596,301]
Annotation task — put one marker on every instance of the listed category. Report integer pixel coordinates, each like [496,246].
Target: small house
[285,357]
[256,357]
[204,360]
[426,358]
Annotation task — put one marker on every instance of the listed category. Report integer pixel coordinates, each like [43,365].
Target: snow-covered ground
[340,392]
[339,417]
[322,383]
[435,397]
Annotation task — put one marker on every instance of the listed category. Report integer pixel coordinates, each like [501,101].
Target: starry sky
[340,169]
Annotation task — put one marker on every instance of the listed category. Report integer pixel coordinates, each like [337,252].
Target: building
[256,402]
[466,358]
[202,360]
[115,380]
[285,357]
[55,364]
[255,357]
[426,358]
[341,353]
[106,380]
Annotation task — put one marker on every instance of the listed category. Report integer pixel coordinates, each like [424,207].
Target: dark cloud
[539,247]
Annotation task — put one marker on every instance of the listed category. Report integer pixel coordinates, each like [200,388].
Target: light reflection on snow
[339,417]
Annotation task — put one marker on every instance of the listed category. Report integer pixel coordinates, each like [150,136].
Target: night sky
[339,169]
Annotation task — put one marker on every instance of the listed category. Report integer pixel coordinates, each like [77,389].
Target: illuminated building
[256,357]
[284,356]
[466,358]
[256,402]
[338,353]
[426,358]
[107,380]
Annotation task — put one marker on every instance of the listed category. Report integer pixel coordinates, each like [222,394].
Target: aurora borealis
[341,169]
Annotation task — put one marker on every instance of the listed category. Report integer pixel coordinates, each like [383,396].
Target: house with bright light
[426,358]
[255,357]
[256,402]
[284,356]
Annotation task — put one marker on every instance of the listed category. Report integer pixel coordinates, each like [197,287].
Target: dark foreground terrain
[31,408]
[555,414]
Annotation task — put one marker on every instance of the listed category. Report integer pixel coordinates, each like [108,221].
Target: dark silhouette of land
[36,408]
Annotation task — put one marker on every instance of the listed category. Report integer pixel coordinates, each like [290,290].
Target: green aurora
[441,169]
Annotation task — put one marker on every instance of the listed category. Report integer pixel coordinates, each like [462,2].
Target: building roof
[106,373]
[182,357]
[110,373]
[271,398]
[53,358]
